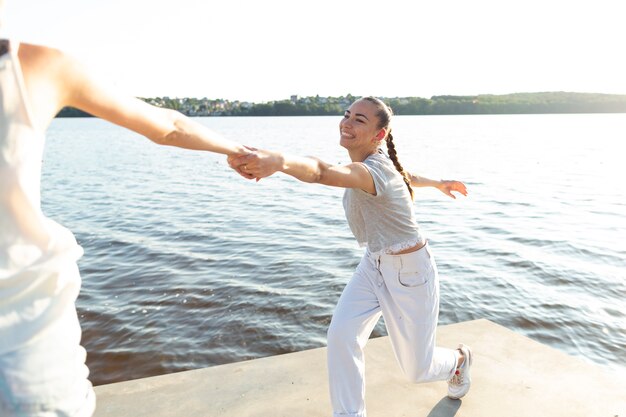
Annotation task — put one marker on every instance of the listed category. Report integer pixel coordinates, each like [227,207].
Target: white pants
[404,289]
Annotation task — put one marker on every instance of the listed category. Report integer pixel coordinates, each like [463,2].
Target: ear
[381,135]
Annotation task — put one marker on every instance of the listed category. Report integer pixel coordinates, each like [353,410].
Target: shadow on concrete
[445,408]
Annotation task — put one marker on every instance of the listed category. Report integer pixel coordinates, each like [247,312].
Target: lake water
[188,265]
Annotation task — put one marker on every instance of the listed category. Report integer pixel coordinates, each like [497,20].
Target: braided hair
[384,116]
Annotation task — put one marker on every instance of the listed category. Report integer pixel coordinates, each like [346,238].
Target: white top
[384,222]
[39,280]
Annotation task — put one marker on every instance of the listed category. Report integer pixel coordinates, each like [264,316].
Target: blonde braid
[384,118]
[393,155]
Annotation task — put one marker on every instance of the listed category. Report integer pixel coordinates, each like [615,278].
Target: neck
[360,155]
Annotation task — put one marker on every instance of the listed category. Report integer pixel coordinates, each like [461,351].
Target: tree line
[518,103]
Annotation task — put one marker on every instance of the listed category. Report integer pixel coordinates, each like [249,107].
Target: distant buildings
[517,103]
[221,107]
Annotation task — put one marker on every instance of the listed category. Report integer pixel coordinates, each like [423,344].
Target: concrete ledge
[512,375]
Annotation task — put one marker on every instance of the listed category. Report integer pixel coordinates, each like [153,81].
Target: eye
[360,120]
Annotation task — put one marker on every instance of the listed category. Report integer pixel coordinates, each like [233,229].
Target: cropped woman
[42,365]
[396,278]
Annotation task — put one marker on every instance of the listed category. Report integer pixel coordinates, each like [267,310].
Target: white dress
[42,365]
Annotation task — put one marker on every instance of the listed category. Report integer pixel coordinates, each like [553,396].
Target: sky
[253,50]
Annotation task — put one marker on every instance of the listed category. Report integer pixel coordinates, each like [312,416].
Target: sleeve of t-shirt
[376,170]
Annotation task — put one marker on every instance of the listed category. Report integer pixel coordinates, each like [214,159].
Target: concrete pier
[512,376]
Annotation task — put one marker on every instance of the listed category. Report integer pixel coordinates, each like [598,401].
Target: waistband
[378,258]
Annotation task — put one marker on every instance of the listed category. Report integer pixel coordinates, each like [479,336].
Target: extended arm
[62,81]
[445,186]
[261,163]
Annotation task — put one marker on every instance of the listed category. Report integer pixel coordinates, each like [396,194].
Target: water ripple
[192,266]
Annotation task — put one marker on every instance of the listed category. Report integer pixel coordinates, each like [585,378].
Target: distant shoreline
[517,103]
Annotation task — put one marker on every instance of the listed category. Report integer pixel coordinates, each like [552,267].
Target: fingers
[233,157]
[247,176]
[253,165]
[244,174]
[459,190]
[239,164]
[249,171]
[460,187]
[237,161]
[457,186]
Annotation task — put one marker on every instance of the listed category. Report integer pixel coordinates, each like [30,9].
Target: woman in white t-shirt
[397,277]
[42,365]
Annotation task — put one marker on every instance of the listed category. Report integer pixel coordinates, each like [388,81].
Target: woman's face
[359,126]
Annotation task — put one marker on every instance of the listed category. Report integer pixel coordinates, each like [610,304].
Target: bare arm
[445,186]
[261,163]
[58,80]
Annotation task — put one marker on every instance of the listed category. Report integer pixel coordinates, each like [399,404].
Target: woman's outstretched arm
[445,186]
[62,81]
[262,163]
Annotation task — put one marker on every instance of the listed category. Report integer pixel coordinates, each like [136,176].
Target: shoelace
[457,378]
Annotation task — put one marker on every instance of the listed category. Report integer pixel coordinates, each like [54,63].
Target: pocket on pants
[417,269]
[415,279]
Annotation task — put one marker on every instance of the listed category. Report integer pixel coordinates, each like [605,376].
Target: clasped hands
[255,164]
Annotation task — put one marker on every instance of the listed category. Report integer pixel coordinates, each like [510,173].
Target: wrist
[240,149]
[281,162]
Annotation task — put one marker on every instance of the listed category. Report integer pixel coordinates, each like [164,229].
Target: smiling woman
[397,277]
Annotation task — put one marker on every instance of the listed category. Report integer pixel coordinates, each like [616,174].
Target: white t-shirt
[384,222]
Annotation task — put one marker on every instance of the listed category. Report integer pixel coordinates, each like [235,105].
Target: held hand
[448,186]
[231,158]
[258,164]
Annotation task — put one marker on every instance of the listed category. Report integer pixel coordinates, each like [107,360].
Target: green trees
[518,103]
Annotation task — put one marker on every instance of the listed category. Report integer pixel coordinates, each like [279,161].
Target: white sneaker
[460,382]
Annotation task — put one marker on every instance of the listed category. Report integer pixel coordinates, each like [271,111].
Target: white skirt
[48,376]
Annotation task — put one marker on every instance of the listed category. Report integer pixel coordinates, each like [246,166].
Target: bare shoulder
[52,63]
[40,56]
[48,72]
[43,64]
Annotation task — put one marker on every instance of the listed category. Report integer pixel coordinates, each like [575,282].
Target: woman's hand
[257,164]
[232,158]
[448,186]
